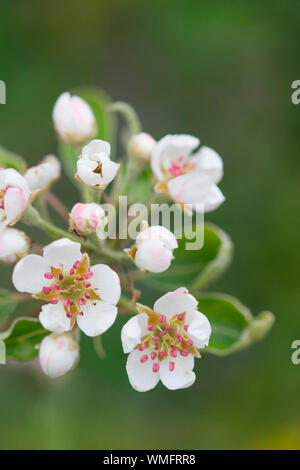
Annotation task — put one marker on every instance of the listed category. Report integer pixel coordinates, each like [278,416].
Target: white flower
[94,166]
[75,292]
[153,249]
[141,146]
[41,177]
[87,218]
[13,245]
[164,341]
[14,196]
[188,178]
[73,119]
[58,354]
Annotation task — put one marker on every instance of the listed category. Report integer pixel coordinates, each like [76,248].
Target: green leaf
[2,352]
[7,303]
[233,326]
[22,338]
[140,188]
[11,160]
[195,269]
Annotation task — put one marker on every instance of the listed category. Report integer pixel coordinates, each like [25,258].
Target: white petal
[53,318]
[11,177]
[153,256]
[95,147]
[140,375]
[15,202]
[57,355]
[42,175]
[28,274]
[106,282]
[199,328]
[13,245]
[133,331]
[190,188]
[62,253]
[96,319]
[209,162]
[176,302]
[109,171]
[213,199]
[157,232]
[85,171]
[182,376]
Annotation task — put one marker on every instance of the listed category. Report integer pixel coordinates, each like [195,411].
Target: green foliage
[7,303]
[11,160]
[233,326]
[22,338]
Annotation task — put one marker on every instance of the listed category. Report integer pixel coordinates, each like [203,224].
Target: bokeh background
[218,70]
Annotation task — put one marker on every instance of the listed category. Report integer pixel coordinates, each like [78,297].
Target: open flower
[14,244]
[188,178]
[42,176]
[75,292]
[74,120]
[58,354]
[153,249]
[164,341]
[87,218]
[14,196]
[94,166]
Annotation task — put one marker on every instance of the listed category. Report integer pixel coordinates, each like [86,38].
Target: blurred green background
[218,70]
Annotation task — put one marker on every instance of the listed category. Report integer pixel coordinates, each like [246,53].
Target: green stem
[124,302]
[128,113]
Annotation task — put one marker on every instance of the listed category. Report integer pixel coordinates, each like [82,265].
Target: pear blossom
[94,166]
[58,354]
[87,218]
[14,244]
[74,120]
[41,177]
[153,249]
[14,196]
[75,292]
[141,146]
[188,178]
[163,342]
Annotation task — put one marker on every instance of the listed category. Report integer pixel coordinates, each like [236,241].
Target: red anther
[176,333]
[171,366]
[67,302]
[87,295]
[153,355]
[79,278]
[156,346]
[46,290]
[190,343]
[173,353]
[87,284]
[72,271]
[163,354]
[144,358]
[186,327]
[54,301]
[88,274]
[167,327]
[49,275]
[180,339]
[163,333]
[180,317]
[80,313]
[81,301]
[142,347]
[162,318]
[151,328]
[60,277]
[69,314]
[76,265]
[155,367]
[54,287]
[155,338]
[184,352]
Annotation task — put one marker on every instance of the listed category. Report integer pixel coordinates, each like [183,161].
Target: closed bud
[14,244]
[58,354]
[41,177]
[87,218]
[141,146]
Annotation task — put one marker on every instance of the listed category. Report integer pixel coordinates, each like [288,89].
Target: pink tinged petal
[199,330]
[159,233]
[153,256]
[140,374]
[97,317]
[209,162]
[53,318]
[15,202]
[180,375]
[176,302]
[13,245]
[212,200]
[106,282]
[28,274]
[58,355]
[133,331]
[62,253]
[190,188]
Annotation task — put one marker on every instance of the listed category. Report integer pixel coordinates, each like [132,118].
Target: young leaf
[233,326]
[196,269]
[22,338]
[7,303]
[11,160]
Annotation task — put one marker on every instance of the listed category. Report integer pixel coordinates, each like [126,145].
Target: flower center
[165,340]
[98,169]
[180,167]
[72,288]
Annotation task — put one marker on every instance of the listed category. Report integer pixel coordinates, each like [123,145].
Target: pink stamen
[60,277]
[76,265]
[153,355]
[151,328]
[142,347]
[81,301]
[155,367]
[176,333]
[155,338]
[54,301]
[180,317]
[54,287]
[186,327]
[173,353]
[67,302]
[163,333]
[163,354]
[167,327]
[184,352]
[79,278]
[144,358]
[49,275]
[180,339]
[87,295]
[88,274]
[156,346]
[69,314]
[87,284]
[46,290]
[72,271]
[80,313]
[171,366]
[162,318]
[190,343]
